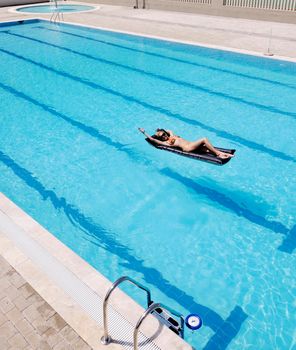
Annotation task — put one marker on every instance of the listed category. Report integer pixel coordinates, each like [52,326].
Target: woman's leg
[193,146]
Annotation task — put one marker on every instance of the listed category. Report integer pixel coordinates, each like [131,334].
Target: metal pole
[268,52]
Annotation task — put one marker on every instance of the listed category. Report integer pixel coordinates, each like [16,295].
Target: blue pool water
[52,8]
[217,241]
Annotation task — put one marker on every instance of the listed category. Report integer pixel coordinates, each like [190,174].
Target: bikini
[172,141]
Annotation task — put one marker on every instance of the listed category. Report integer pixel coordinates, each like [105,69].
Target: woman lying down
[168,138]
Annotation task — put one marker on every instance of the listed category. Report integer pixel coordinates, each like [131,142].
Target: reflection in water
[226,202]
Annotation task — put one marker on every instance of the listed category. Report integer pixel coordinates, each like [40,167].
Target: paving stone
[34,339]
[4,282]
[16,279]
[21,303]
[35,299]
[69,334]
[41,325]
[31,313]
[52,337]
[12,292]
[17,342]
[44,345]
[4,267]
[3,318]
[46,310]
[11,272]
[5,271]
[80,345]
[14,315]
[6,305]
[26,290]
[4,345]
[7,330]
[63,345]
[24,327]
[57,322]
[2,293]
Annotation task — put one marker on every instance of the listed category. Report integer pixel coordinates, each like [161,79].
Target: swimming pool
[51,8]
[219,241]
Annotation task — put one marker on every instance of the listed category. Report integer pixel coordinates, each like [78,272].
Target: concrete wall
[18,2]
[215,8]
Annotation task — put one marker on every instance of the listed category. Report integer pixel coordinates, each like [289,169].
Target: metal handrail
[106,338]
[147,312]
[137,4]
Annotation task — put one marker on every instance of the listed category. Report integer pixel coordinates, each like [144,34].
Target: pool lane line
[227,202]
[211,194]
[289,242]
[89,130]
[234,138]
[107,240]
[199,88]
[179,60]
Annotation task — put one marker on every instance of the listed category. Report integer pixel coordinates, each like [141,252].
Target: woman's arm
[151,138]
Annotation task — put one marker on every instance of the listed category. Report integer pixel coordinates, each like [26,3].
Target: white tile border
[15,252]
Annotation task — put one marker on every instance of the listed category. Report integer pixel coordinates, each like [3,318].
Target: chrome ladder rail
[56,15]
[148,311]
[137,4]
[106,338]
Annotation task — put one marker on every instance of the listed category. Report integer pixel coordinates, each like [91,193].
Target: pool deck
[30,256]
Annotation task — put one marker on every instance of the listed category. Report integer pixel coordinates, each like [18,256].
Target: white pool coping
[187,42]
[73,288]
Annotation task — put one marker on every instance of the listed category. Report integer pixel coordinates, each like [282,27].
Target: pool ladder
[137,4]
[158,309]
[56,15]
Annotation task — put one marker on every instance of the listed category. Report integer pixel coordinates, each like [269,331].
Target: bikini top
[172,140]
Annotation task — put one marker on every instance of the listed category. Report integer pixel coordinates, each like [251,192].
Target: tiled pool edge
[41,17]
[180,41]
[60,300]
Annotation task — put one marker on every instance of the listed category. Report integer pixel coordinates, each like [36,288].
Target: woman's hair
[161,138]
